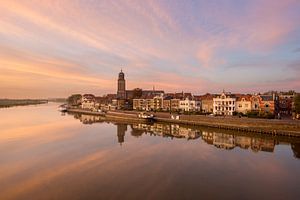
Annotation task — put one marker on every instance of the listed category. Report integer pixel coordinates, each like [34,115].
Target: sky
[60,47]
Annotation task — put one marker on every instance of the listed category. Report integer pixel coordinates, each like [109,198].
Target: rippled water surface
[47,155]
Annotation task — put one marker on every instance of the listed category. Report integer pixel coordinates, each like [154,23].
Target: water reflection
[296,149]
[44,155]
[221,139]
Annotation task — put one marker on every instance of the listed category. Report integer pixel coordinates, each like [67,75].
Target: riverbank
[274,127]
[5,103]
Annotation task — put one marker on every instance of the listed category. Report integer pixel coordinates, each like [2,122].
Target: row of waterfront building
[224,103]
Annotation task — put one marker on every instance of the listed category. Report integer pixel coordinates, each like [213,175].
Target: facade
[189,105]
[285,103]
[175,104]
[158,103]
[243,103]
[88,101]
[207,103]
[267,104]
[255,102]
[263,103]
[224,104]
[167,103]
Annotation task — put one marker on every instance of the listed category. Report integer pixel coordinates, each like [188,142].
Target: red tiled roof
[239,97]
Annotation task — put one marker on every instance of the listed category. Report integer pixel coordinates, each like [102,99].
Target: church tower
[121,93]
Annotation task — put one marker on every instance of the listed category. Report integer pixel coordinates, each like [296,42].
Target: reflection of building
[224,141]
[165,130]
[296,149]
[208,137]
[262,144]
[242,142]
[89,119]
[121,129]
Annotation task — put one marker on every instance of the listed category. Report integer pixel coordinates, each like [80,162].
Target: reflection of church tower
[121,93]
[121,129]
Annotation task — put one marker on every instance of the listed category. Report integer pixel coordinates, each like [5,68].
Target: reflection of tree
[296,149]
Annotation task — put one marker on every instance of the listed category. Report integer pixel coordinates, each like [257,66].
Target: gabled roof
[207,96]
[239,97]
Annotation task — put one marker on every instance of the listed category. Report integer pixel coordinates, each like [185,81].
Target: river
[45,154]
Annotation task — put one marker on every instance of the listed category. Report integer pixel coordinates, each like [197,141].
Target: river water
[47,155]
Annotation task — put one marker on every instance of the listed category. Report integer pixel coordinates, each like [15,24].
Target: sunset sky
[59,47]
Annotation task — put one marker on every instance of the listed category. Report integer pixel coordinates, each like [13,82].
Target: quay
[111,115]
[290,128]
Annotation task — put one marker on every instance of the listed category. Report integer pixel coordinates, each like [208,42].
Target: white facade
[88,102]
[243,105]
[189,105]
[224,104]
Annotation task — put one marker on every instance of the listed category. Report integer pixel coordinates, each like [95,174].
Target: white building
[189,105]
[88,101]
[224,104]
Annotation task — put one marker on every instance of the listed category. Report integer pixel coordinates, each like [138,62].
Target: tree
[74,99]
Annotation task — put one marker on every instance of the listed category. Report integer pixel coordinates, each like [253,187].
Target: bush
[252,114]
[263,115]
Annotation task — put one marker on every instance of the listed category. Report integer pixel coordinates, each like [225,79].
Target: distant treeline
[58,100]
[20,102]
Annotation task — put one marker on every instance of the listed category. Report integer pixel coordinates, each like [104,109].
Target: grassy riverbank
[5,103]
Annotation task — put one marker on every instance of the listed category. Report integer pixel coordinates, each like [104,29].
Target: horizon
[191,46]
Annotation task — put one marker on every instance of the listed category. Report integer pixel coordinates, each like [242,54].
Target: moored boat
[145,116]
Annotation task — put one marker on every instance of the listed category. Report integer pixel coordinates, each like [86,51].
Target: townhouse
[224,104]
[243,103]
